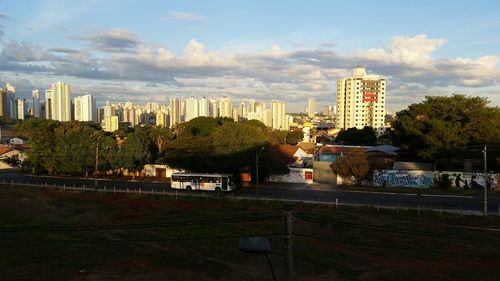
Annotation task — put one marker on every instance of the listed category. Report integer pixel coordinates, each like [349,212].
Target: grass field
[54,235]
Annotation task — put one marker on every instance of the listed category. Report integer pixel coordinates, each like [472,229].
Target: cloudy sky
[143,51]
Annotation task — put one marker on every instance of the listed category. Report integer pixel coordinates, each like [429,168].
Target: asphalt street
[289,192]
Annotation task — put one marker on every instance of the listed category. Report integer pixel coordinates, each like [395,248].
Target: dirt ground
[51,235]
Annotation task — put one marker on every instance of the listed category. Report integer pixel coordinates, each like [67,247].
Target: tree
[444,126]
[352,164]
[294,137]
[353,136]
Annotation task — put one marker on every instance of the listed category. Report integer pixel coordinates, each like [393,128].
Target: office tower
[21,108]
[225,107]
[192,109]
[85,109]
[279,115]
[48,104]
[36,103]
[60,102]
[174,112]
[361,101]
[213,109]
[204,107]
[312,107]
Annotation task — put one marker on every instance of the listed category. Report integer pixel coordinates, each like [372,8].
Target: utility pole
[96,163]
[287,243]
[485,183]
[257,155]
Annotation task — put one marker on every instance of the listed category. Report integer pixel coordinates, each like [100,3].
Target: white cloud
[412,51]
[177,15]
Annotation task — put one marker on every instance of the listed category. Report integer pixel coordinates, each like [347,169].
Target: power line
[137,240]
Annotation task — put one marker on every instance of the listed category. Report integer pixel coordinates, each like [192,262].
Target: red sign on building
[370,97]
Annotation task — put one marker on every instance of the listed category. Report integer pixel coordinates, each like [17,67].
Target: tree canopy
[354,136]
[352,164]
[443,125]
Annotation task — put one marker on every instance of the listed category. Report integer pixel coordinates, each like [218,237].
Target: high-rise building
[161,119]
[361,101]
[204,107]
[279,115]
[110,124]
[61,102]
[226,107]
[175,115]
[21,108]
[8,104]
[48,104]
[192,109]
[85,109]
[312,107]
[36,103]
[213,109]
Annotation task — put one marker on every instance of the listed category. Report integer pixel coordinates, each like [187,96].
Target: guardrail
[202,194]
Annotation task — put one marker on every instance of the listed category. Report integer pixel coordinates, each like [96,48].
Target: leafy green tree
[354,136]
[42,141]
[443,126]
[136,151]
[294,137]
[352,164]
[201,126]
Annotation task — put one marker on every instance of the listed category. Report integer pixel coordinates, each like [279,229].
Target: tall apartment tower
[85,109]
[175,114]
[204,107]
[278,109]
[60,102]
[192,109]
[226,107]
[21,108]
[312,107]
[48,104]
[361,101]
[36,103]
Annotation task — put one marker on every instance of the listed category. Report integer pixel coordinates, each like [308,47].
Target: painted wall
[467,180]
[402,178]
[296,175]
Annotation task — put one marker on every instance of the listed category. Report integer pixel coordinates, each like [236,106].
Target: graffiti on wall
[468,180]
[402,178]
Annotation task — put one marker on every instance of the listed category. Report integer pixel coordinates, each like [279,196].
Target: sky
[150,51]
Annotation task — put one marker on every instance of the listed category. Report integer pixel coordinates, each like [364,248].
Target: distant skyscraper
[36,103]
[192,109]
[312,107]
[361,101]
[204,107]
[110,124]
[279,115]
[21,108]
[8,101]
[214,109]
[48,104]
[161,119]
[174,112]
[85,109]
[60,102]
[226,107]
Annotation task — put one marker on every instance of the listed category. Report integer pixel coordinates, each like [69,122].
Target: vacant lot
[53,235]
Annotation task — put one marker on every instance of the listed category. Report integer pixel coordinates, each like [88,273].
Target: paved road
[293,192]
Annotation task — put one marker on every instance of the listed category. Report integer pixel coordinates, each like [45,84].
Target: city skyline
[292,51]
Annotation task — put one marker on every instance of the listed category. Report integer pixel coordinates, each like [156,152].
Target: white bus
[199,181]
